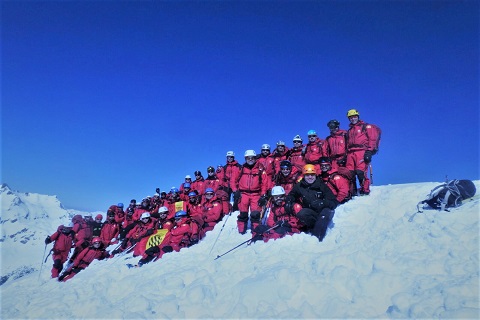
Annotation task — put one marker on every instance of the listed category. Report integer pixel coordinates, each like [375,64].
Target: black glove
[157,190]
[262,201]
[48,240]
[236,196]
[167,249]
[289,207]
[283,227]
[124,243]
[317,205]
[114,252]
[149,232]
[367,157]
[151,251]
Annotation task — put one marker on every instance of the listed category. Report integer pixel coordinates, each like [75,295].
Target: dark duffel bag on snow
[450,194]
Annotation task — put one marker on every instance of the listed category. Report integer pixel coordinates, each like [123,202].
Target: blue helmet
[174,190]
[186,185]
[312,132]
[192,194]
[120,205]
[180,214]
[209,190]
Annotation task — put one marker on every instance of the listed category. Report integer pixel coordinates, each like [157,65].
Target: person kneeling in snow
[84,258]
[317,200]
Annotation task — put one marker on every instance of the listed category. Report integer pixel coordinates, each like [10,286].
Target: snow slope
[373,263]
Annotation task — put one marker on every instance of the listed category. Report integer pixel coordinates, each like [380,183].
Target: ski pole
[218,236]
[48,255]
[41,266]
[371,173]
[249,240]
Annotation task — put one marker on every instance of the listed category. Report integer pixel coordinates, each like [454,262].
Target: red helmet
[96,239]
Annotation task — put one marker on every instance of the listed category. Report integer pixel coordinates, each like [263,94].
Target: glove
[48,240]
[262,201]
[114,252]
[157,190]
[289,207]
[124,243]
[283,227]
[149,232]
[367,157]
[151,251]
[342,161]
[317,205]
[236,196]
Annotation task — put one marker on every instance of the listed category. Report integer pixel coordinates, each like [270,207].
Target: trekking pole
[218,236]
[249,240]
[371,173]
[41,266]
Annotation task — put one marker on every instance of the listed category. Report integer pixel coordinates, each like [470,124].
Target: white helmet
[230,154]
[250,153]
[188,177]
[280,143]
[145,215]
[162,209]
[297,138]
[278,191]
[265,146]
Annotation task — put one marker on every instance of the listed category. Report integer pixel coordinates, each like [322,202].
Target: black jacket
[315,196]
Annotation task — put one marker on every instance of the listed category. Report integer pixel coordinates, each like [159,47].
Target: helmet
[312,133]
[280,143]
[210,169]
[209,190]
[188,177]
[278,191]
[325,160]
[156,195]
[198,173]
[186,185]
[98,217]
[133,201]
[96,239]
[250,153]
[265,146]
[120,205]
[309,169]
[353,112]
[192,194]
[174,190]
[297,138]
[145,215]
[285,164]
[332,124]
[180,214]
[230,154]
[162,209]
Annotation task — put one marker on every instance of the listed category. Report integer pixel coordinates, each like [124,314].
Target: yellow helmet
[309,169]
[353,112]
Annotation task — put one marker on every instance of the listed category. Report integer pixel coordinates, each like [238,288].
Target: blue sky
[105,101]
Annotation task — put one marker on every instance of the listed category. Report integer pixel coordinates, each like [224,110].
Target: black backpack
[449,194]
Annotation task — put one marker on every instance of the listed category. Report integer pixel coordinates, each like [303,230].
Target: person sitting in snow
[95,251]
[63,238]
[317,200]
[138,235]
[278,222]
[212,210]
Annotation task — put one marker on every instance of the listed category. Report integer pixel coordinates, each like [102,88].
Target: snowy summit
[373,263]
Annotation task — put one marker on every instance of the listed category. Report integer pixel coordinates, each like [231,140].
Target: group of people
[279,192]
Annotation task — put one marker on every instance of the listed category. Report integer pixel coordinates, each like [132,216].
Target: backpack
[449,194]
[377,135]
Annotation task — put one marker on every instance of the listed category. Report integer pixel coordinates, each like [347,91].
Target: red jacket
[336,145]
[63,241]
[357,137]
[83,231]
[195,211]
[314,151]
[140,229]
[231,173]
[267,163]
[339,185]
[288,181]
[253,179]
[277,158]
[179,236]
[213,212]
[296,157]
[212,182]
[109,231]
[199,185]
[277,214]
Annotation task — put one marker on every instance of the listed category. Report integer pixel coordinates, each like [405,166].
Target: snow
[373,263]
